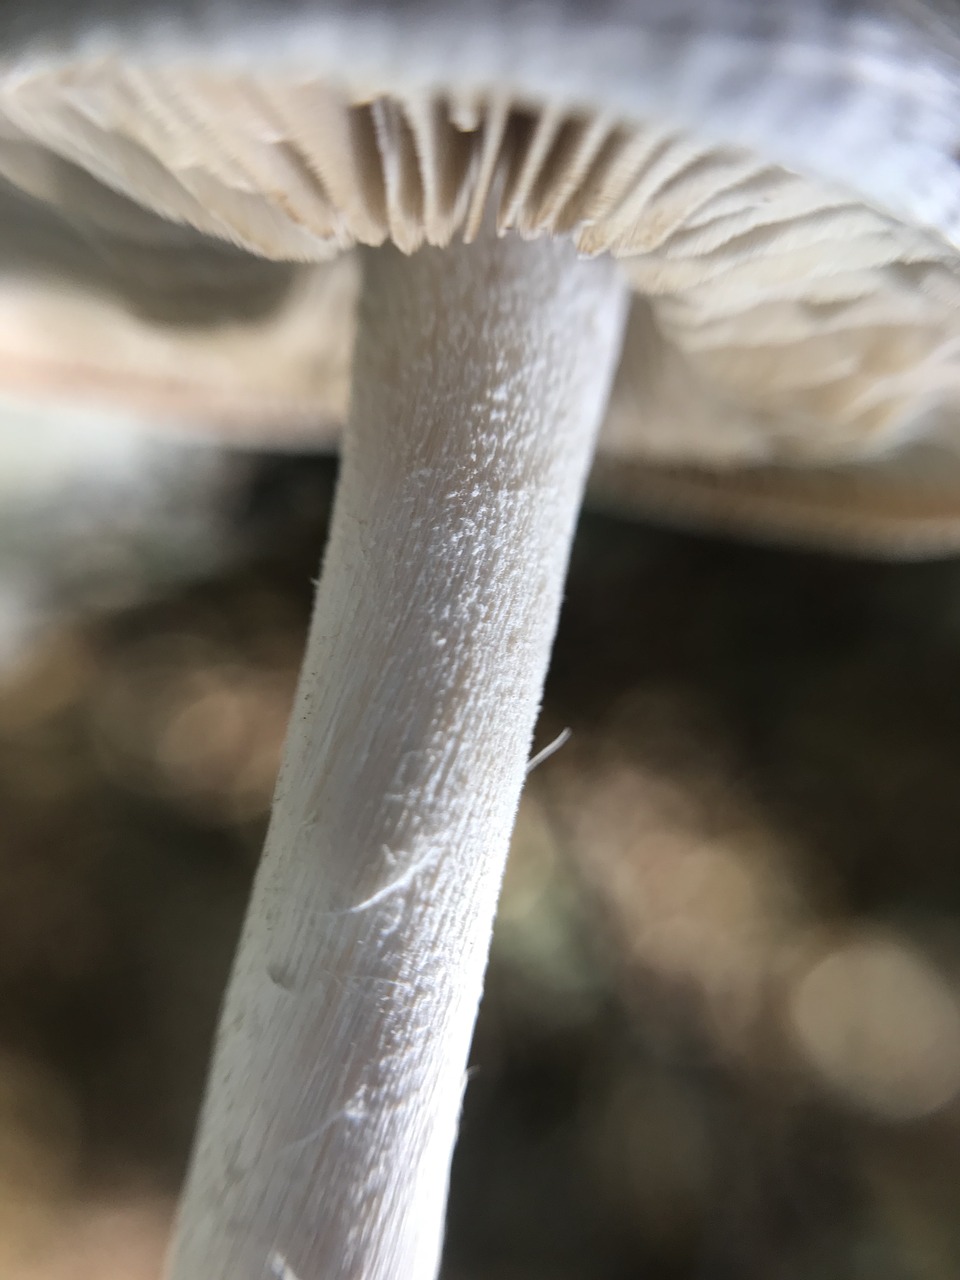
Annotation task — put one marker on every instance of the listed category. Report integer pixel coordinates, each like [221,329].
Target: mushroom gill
[777,319]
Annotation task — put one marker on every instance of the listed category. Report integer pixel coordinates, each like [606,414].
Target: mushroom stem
[481,375]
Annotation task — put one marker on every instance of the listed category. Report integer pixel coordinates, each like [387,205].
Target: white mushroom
[784,320]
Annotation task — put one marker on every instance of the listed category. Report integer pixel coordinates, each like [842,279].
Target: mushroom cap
[184,185]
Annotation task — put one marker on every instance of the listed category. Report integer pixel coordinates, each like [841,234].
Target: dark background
[721,1034]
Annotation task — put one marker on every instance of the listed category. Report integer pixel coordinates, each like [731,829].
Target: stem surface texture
[480,378]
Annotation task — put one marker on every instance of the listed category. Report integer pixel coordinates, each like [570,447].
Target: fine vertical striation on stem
[480,377]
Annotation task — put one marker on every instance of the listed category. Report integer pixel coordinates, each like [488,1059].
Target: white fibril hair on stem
[480,378]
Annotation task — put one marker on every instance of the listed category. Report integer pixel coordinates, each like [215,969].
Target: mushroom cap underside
[179,232]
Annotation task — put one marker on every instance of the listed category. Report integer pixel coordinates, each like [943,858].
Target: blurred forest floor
[721,1034]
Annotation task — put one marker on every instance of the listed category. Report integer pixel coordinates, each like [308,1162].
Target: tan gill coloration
[777,320]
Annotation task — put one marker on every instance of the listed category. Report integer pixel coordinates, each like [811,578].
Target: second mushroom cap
[170,216]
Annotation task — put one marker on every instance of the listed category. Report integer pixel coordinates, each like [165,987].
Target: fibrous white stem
[480,377]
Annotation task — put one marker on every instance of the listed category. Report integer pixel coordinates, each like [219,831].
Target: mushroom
[777,188]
